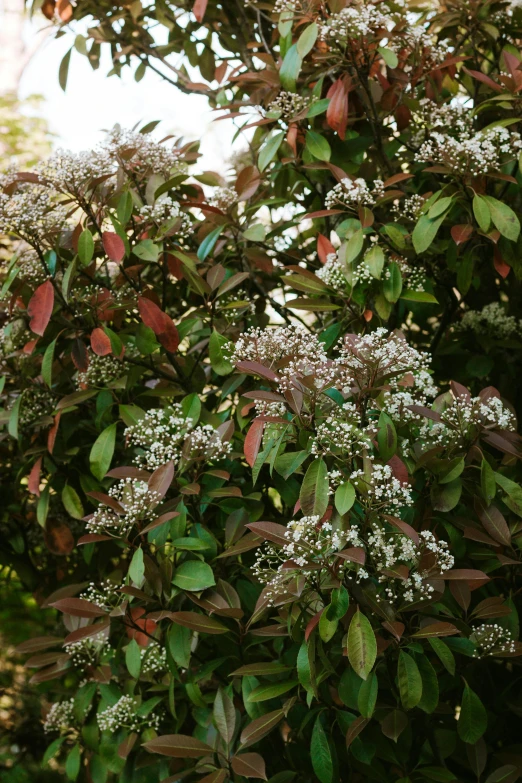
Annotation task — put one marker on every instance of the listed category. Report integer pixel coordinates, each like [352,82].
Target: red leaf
[253,440]
[161,324]
[64,9]
[312,624]
[149,626]
[151,315]
[100,342]
[113,246]
[33,482]
[79,355]
[291,138]
[199,8]
[500,265]
[30,346]
[461,233]
[53,432]
[78,607]
[170,337]
[337,111]
[324,248]
[399,469]
[40,307]
[484,79]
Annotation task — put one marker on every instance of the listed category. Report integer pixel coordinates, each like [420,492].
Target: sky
[93,102]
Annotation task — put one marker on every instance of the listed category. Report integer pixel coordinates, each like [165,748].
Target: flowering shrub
[261,429]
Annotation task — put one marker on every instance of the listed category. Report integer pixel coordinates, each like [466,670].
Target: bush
[263,456]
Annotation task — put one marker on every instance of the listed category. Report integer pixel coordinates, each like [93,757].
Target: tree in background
[266,426]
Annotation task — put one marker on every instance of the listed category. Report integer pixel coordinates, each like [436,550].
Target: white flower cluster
[364,20]
[153,660]
[344,439]
[167,212]
[453,118]
[60,717]
[235,304]
[415,277]
[32,213]
[123,714]
[36,403]
[140,153]
[290,351]
[270,408]
[223,198]
[481,153]
[166,435]
[87,652]
[421,44]
[30,266]
[382,491]
[73,172]
[332,274]
[309,549]
[287,105]
[160,433]
[492,639]
[492,321]
[410,208]
[349,193]
[399,558]
[464,417]
[100,371]
[379,356]
[396,400]
[203,442]
[105,595]
[137,504]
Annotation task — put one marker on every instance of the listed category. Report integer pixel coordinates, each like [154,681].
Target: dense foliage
[261,433]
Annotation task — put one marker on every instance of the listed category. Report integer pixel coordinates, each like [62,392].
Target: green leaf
[224,715]
[207,246]
[482,213]
[392,284]
[124,208]
[314,490]
[419,296]
[219,347]
[307,39]
[503,217]
[271,690]
[72,763]
[327,626]
[68,279]
[137,567]
[487,481]
[269,150]
[445,497]
[430,685]
[389,57]
[42,507]
[72,503]
[47,363]
[374,260]
[255,233]
[133,658]
[320,753]
[386,437]
[14,416]
[367,696]
[193,575]
[344,497]
[102,451]
[410,681]
[425,232]
[513,491]
[290,69]
[362,645]
[63,73]
[85,247]
[147,250]
[473,719]
[131,414]
[444,654]
[354,246]
[318,146]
